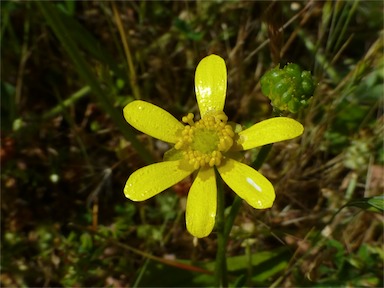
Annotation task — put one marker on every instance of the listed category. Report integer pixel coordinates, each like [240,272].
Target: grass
[68,69]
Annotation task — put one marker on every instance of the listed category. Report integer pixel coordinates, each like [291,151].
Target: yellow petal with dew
[269,131]
[211,84]
[153,179]
[153,120]
[248,183]
[201,204]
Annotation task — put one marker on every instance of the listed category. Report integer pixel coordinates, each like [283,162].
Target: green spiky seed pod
[289,89]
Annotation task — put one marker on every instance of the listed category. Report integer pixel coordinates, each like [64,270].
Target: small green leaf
[86,242]
[187,30]
[377,202]
[374,204]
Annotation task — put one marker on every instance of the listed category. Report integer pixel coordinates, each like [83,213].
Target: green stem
[66,103]
[132,72]
[221,260]
[224,226]
[232,215]
[261,156]
[263,153]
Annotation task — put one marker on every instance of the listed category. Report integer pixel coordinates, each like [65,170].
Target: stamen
[203,142]
[188,119]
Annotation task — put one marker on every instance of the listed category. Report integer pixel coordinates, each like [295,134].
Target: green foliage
[187,30]
[356,270]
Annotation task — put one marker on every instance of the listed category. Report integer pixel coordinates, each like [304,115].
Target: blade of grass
[24,57]
[141,274]
[67,102]
[86,41]
[53,18]
[350,12]
[132,73]
[341,16]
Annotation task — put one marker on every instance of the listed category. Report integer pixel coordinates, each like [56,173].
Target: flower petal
[269,131]
[153,120]
[211,84]
[153,179]
[201,204]
[249,184]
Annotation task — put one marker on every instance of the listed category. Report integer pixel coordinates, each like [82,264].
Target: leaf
[377,202]
[86,242]
[85,40]
[265,264]
[374,204]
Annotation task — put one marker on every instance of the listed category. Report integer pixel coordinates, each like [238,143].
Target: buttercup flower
[203,145]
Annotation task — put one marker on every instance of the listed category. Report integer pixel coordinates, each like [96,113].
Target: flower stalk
[221,262]
[224,226]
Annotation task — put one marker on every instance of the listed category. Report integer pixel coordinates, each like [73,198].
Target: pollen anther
[203,142]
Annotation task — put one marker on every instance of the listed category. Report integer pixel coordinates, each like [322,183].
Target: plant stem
[221,260]
[224,226]
[261,156]
[132,72]
[71,100]
[263,153]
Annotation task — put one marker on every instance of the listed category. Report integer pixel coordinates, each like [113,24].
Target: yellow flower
[202,145]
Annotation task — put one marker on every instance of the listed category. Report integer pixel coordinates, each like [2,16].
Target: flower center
[204,141]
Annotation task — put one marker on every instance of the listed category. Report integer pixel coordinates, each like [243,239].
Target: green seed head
[289,89]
